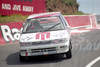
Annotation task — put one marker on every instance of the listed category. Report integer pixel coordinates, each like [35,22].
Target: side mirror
[21,30]
[23,24]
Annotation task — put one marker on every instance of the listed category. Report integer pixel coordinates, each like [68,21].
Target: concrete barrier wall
[78,21]
[93,20]
[9,32]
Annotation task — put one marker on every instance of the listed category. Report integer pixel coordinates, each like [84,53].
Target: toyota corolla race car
[45,34]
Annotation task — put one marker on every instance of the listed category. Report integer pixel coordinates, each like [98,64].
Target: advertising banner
[10,32]
[25,7]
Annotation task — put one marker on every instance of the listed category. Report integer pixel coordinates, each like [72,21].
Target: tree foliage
[64,6]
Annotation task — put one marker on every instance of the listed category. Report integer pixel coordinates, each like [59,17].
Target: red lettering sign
[43,35]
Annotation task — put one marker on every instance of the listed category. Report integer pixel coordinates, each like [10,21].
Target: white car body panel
[31,37]
[62,47]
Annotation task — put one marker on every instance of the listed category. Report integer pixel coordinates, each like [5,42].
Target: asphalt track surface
[86,48]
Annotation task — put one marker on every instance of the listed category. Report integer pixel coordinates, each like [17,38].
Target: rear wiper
[52,26]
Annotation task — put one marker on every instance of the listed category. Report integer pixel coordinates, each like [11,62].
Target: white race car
[45,34]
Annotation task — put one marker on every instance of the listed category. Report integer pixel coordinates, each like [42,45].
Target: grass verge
[19,17]
[12,18]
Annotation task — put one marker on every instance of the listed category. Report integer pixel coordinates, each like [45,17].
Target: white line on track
[93,62]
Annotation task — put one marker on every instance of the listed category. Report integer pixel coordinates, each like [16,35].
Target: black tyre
[21,58]
[68,54]
[70,47]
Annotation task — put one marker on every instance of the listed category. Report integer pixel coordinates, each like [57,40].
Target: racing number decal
[43,36]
